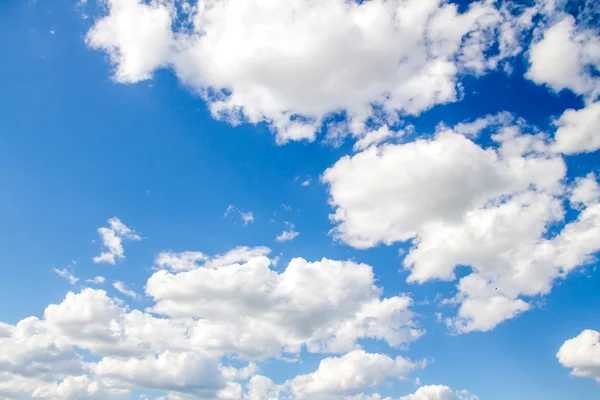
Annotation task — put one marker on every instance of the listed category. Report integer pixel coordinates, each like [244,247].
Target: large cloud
[251,309]
[582,354]
[459,203]
[212,311]
[291,63]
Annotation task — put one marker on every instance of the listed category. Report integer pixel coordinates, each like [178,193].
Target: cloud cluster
[231,305]
[459,203]
[293,64]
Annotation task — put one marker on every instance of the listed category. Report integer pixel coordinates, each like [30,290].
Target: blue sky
[99,123]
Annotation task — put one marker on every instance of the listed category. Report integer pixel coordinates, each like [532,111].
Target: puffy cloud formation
[565,56]
[250,309]
[460,203]
[294,63]
[582,355]
[112,238]
[578,130]
[233,304]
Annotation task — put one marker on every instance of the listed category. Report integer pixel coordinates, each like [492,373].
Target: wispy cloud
[112,238]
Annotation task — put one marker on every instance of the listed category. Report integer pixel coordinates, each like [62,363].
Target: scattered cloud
[246,216]
[582,355]
[289,234]
[122,288]
[112,238]
[96,280]
[66,274]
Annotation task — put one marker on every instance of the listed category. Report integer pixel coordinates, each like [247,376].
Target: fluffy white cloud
[582,354]
[349,374]
[137,37]
[578,130]
[439,392]
[186,372]
[293,63]
[251,309]
[232,305]
[462,204]
[564,58]
[112,238]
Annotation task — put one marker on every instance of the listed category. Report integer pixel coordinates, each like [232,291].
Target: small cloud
[286,207]
[97,280]
[66,274]
[247,217]
[305,182]
[417,381]
[112,238]
[121,287]
[289,234]
[148,192]
[51,31]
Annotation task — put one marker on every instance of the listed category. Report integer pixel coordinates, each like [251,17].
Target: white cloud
[289,234]
[578,130]
[475,127]
[246,216]
[586,191]
[376,137]
[250,309]
[462,204]
[439,392]
[112,238]
[188,260]
[181,371]
[582,355]
[564,58]
[349,374]
[305,182]
[324,306]
[66,274]
[96,280]
[122,288]
[136,36]
[291,64]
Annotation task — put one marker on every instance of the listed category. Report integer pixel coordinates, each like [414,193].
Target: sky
[290,200]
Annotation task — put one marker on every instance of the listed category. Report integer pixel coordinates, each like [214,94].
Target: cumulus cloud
[459,203]
[578,130]
[233,305]
[289,234]
[251,309]
[564,58]
[582,355]
[112,238]
[292,64]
